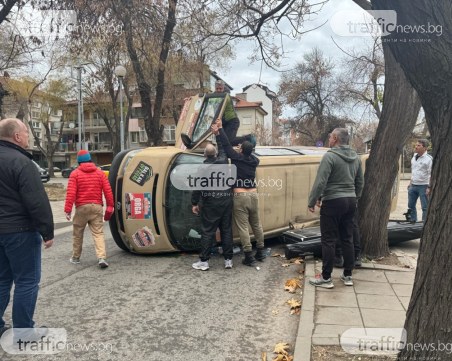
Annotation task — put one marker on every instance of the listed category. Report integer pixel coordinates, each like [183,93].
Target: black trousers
[216,213]
[356,239]
[336,225]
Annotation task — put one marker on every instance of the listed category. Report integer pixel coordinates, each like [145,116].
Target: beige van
[152,215]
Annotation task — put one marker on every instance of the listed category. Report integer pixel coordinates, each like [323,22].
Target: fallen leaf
[275,255]
[298,261]
[291,285]
[282,348]
[293,303]
[264,356]
[275,312]
[295,311]
[285,264]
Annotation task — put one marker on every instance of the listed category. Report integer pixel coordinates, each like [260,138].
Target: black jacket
[246,165]
[214,197]
[24,205]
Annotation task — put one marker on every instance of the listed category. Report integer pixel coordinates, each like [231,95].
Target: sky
[242,73]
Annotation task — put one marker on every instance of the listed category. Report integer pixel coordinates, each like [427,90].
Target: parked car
[66,172]
[106,169]
[55,169]
[45,177]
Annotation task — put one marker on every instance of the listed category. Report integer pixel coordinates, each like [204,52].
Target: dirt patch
[329,353]
[55,191]
[390,260]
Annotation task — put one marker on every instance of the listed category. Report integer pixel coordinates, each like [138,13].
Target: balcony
[72,147]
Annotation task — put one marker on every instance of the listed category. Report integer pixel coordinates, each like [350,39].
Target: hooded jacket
[24,205]
[340,175]
[86,185]
[246,165]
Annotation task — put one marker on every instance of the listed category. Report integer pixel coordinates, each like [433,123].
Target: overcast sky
[242,73]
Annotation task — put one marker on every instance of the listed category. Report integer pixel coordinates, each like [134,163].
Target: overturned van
[154,215]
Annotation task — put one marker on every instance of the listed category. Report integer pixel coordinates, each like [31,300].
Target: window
[134,136]
[36,105]
[169,133]
[137,112]
[35,124]
[143,136]
[35,114]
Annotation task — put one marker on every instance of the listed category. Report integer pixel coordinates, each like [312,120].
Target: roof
[240,104]
[271,94]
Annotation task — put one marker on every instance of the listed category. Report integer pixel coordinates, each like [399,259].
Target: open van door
[198,114]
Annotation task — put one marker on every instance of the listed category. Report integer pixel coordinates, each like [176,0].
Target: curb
[303,342]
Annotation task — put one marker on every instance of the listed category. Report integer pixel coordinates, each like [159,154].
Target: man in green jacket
[339,183]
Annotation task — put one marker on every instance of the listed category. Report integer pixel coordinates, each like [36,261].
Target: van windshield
[183,226]
[210,110]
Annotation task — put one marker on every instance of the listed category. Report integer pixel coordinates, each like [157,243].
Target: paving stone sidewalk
[378,299]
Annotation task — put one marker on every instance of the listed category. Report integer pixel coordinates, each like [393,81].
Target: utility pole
[80,106]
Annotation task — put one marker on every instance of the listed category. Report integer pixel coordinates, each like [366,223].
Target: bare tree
[362,78]
[313,89]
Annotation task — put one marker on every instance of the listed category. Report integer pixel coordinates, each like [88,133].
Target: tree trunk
[400,109]
[427,67]
[160,88]
[144,89]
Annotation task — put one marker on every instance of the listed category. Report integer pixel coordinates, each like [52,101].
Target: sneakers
[348,281]
[103,263]
[228,263]
[320,282]
[74,260]
[203,266]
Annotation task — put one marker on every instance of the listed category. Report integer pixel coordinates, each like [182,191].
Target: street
[159,308]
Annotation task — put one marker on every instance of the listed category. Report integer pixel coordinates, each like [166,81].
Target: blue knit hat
[83,156]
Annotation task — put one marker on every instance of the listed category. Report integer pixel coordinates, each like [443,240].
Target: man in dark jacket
[339,182]
[26,221]
[246,198]
[216,212]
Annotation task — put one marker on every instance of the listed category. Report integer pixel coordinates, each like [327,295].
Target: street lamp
[120,72]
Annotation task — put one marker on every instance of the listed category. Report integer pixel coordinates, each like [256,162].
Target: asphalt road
[159,308]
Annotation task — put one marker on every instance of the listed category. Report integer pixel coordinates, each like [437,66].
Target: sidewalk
[379,298]
[59,217]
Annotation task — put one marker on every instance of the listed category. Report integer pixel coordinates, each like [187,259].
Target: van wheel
[115,164]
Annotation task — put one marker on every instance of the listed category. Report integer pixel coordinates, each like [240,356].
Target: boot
[260,254]
[249,260]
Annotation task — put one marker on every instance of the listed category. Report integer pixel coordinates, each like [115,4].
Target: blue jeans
[20,262]
[415,192]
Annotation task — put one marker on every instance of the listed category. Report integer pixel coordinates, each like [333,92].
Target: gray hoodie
[340,175]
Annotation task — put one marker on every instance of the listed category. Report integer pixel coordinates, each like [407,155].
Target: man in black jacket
[216,212]
[246,198]
[26,221]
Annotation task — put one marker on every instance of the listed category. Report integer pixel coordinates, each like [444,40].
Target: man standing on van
[339,183]
[419,187]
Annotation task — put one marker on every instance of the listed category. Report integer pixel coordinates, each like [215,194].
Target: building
[268,98]
[23,99]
